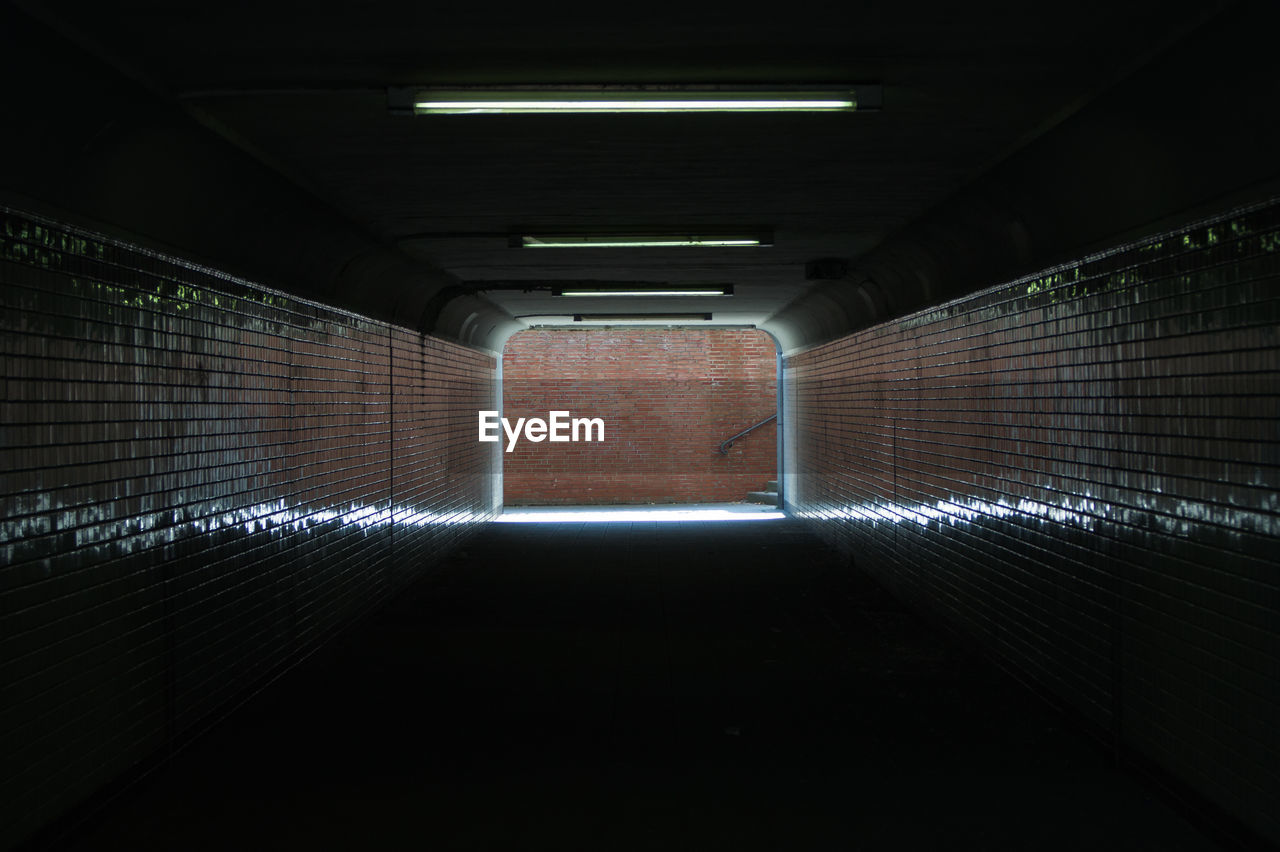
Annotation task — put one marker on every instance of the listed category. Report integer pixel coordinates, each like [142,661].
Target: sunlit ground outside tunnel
[642,514]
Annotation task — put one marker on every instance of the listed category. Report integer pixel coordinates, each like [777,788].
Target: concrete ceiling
[302,89]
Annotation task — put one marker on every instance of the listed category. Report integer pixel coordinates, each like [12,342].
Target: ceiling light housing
[647,99]
[647,240]
[643,318]
[625,290]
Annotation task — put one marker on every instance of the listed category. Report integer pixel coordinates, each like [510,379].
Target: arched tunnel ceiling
[302,90]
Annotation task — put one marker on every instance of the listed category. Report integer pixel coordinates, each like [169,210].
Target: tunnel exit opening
[689,418]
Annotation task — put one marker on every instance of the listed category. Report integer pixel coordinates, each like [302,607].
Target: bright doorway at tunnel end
[635,416]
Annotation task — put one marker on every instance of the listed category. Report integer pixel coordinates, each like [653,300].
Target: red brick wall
[668,397]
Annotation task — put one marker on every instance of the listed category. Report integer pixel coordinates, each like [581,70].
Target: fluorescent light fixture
[641,292]
[545,100]
[632,318]
[454,105]
[712,240]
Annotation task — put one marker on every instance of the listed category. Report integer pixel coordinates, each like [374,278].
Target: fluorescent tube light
[545,100]
[509,107]
[545,241]
[726,290]
[642,318]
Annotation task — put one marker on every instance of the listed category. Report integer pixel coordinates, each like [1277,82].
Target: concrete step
[767,497]
[771,485]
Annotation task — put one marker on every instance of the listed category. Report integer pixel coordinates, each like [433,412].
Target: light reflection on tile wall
[202,481]
[1080,471]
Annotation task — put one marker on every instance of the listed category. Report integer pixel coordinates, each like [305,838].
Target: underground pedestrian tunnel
[1019,277]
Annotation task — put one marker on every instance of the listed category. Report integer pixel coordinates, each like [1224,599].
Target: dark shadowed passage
[627,685]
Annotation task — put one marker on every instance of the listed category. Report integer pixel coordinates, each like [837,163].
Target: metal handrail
[725,445]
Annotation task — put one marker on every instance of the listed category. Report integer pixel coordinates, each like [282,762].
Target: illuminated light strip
[589,293]
[612,98]
[635,242]
[642,318]
[474,107]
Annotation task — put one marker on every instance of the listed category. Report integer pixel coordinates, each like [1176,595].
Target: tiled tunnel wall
[668,398]
[202,481]
[1079,470]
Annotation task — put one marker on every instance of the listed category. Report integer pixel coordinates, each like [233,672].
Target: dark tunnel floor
[643,686]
